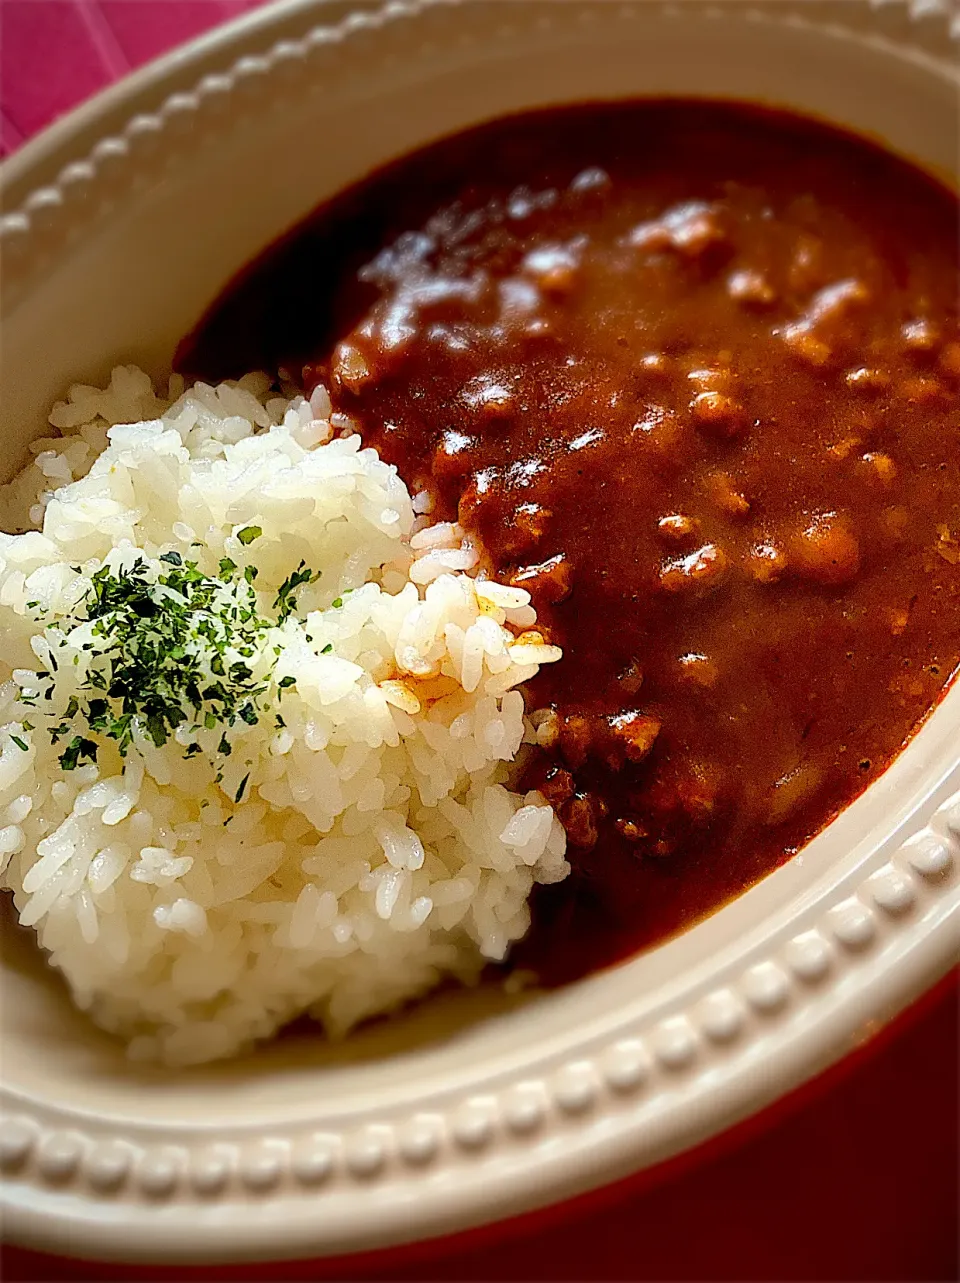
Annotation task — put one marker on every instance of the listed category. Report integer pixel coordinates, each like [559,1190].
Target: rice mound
[377,846]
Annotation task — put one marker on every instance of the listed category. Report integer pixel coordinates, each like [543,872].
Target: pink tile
[56,53]
[233,8]
[10,136]
[111,55]
[49,62]
[143,29]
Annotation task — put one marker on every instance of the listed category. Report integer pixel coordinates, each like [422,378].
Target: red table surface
[854,1178]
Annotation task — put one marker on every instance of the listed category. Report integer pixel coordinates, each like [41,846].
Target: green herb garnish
[174,650]
[248,534]
[285,603]
[77,748]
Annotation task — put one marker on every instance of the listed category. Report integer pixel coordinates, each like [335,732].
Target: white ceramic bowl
[123,222]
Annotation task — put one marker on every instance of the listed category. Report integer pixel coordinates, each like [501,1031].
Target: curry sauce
[689,372]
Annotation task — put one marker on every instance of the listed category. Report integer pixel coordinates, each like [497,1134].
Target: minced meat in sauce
[690,374]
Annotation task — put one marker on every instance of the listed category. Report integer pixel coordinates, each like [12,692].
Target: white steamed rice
[378,846]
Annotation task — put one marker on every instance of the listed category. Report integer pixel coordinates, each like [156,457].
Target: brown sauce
[690,373]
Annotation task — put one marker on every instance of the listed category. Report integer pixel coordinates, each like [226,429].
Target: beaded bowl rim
[596,1105]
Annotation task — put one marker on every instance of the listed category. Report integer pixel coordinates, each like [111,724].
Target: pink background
[855,1178]
[56,53]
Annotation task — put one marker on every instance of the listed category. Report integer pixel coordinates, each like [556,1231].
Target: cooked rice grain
[378,846]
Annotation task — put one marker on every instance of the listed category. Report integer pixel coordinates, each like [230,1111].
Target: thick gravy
[690,373]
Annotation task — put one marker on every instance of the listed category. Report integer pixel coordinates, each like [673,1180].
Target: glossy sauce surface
[690,373]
